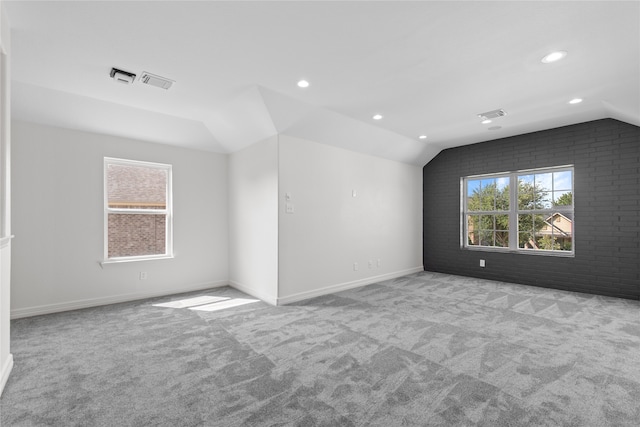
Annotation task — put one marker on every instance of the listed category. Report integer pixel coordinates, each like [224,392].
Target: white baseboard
[6,370]
[95,302]
[269,299]
[344,286]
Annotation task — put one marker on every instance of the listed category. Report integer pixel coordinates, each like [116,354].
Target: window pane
[566,226]
[473,239]
[526,179]
[525,192]
[136,234]
[562,181]
[525,230]
[542,187]
[502,194]
[483,196]
[564,243]
[544,181]
[538,222]
[562,198]
[489,194]
[473,186]
[543,199]
[553,243]
[539,241]
[545,242]
[502,222]
[486,222]
[562,231]
[486,238]
[136,187]
[473,222]
[502,239]
[473,195]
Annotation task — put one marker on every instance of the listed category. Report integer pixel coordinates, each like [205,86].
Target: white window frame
[513,212]
[168,211]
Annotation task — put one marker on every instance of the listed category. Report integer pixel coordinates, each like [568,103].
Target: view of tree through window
[489,200]
[137,208]
[532,210]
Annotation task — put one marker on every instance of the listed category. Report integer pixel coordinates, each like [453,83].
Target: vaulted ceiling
[429,68]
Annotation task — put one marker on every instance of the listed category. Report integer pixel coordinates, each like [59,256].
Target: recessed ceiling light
[554,56]
[486,122]
[303,83]
[575,101]
[377,117]
[422,137]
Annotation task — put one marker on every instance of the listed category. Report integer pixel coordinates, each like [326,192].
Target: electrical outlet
[143,275]
[482,263]
[355,266]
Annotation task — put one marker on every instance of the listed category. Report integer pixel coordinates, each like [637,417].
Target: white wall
[6,359]
[58,221]
[330,229]
[231,222]
[253,220]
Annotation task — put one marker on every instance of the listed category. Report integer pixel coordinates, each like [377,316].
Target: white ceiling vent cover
[492,114]
[121,76]
[153,80]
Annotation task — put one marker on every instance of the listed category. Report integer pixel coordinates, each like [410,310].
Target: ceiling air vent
[492,114]
[120,76]
[153,80]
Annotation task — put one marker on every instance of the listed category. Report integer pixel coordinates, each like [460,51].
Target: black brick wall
[606,156]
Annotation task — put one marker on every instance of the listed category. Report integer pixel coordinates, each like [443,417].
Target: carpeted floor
[426,349]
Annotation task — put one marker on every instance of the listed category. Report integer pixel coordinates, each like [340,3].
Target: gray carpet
[426,349]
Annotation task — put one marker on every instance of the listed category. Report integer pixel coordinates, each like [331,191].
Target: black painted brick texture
[606,158]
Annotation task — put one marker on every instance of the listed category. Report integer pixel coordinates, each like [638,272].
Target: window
[137,210]
[529,211]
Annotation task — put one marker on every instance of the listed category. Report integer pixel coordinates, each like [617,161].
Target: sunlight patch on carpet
[233,302]
[206,303]
[191,302]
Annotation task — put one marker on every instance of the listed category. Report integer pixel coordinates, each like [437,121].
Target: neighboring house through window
[528,211]
[138,220]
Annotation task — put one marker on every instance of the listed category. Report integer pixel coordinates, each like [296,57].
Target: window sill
[538,252]
[133,259]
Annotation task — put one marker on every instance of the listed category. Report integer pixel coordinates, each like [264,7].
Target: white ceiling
[429,67]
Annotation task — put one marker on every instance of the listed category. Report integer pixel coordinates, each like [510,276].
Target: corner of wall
[253,220]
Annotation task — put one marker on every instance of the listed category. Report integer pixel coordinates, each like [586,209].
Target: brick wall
[134,185]
[606,156]
[133,235]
